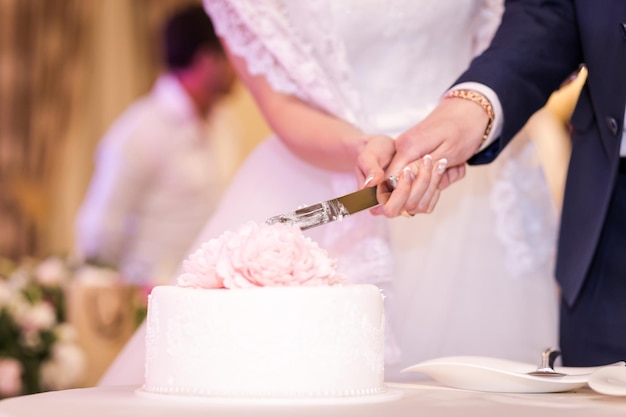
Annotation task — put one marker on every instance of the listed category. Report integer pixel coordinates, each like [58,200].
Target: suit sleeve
[535,48]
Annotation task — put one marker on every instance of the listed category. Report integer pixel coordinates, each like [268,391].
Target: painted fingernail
[368,180]
[442,165]
[428,161]
[406,171]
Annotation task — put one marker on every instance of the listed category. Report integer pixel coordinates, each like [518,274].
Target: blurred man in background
[157,176]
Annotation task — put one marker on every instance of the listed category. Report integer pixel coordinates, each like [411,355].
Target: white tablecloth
[421,399]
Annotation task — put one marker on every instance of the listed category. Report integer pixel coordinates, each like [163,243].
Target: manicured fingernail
[377,211]
[428,161]
[408,172]
[368,180]
[442,165]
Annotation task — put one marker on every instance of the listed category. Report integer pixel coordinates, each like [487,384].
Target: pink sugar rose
[199,267]
[258,256]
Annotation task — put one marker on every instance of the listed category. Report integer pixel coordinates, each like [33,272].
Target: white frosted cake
[261,313]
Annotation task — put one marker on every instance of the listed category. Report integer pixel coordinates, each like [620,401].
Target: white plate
[480,373]
[610,380]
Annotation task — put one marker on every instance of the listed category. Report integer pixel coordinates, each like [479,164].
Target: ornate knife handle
[313,215]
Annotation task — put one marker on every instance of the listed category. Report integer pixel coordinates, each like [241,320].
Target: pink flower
[257,256]
[199,267]
[52,272]
[10,377]
[37,317]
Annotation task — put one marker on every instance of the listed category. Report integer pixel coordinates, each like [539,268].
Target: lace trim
[261,34]
[525,216]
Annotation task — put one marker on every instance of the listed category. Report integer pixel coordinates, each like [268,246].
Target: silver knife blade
[328,211]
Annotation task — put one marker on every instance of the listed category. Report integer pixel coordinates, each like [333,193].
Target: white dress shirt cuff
[498,119]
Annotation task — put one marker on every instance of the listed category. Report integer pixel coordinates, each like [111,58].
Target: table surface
[420,399]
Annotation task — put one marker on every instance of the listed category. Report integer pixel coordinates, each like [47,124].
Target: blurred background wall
[68,68]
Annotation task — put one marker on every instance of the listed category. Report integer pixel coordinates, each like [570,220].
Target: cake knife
[328,211]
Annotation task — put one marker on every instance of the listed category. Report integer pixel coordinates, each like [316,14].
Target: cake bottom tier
[273,342]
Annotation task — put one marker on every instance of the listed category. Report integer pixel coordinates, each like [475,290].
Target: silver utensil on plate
[546,368]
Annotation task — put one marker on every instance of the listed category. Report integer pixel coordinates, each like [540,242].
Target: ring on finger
[392,181]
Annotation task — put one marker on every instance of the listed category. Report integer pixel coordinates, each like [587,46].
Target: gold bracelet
[479,99]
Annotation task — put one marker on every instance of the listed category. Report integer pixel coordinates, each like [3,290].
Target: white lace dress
[473,278]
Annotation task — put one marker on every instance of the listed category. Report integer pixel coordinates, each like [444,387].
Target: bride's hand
[375,154]
[427,158]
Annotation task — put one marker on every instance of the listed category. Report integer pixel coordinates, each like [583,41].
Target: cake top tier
[259,255]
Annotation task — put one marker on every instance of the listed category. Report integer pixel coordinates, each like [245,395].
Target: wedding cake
[262,313]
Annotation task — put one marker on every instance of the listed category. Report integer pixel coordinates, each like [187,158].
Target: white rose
[40,316]
[5,293]
[17,306]
[20,278]
[52,272]
[64,369]
[30,339]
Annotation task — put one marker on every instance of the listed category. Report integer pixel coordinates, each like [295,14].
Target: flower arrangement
[259,255]
[38,349]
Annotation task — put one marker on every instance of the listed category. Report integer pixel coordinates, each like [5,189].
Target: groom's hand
[429,157]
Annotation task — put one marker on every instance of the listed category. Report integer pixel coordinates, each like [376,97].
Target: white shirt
[498,120]
[156,182]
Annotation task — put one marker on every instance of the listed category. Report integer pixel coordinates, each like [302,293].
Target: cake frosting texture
[265,342]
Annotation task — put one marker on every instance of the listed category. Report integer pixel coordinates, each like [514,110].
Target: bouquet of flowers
[38,348]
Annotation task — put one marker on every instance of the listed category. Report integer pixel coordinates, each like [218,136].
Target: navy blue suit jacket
[539,43]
